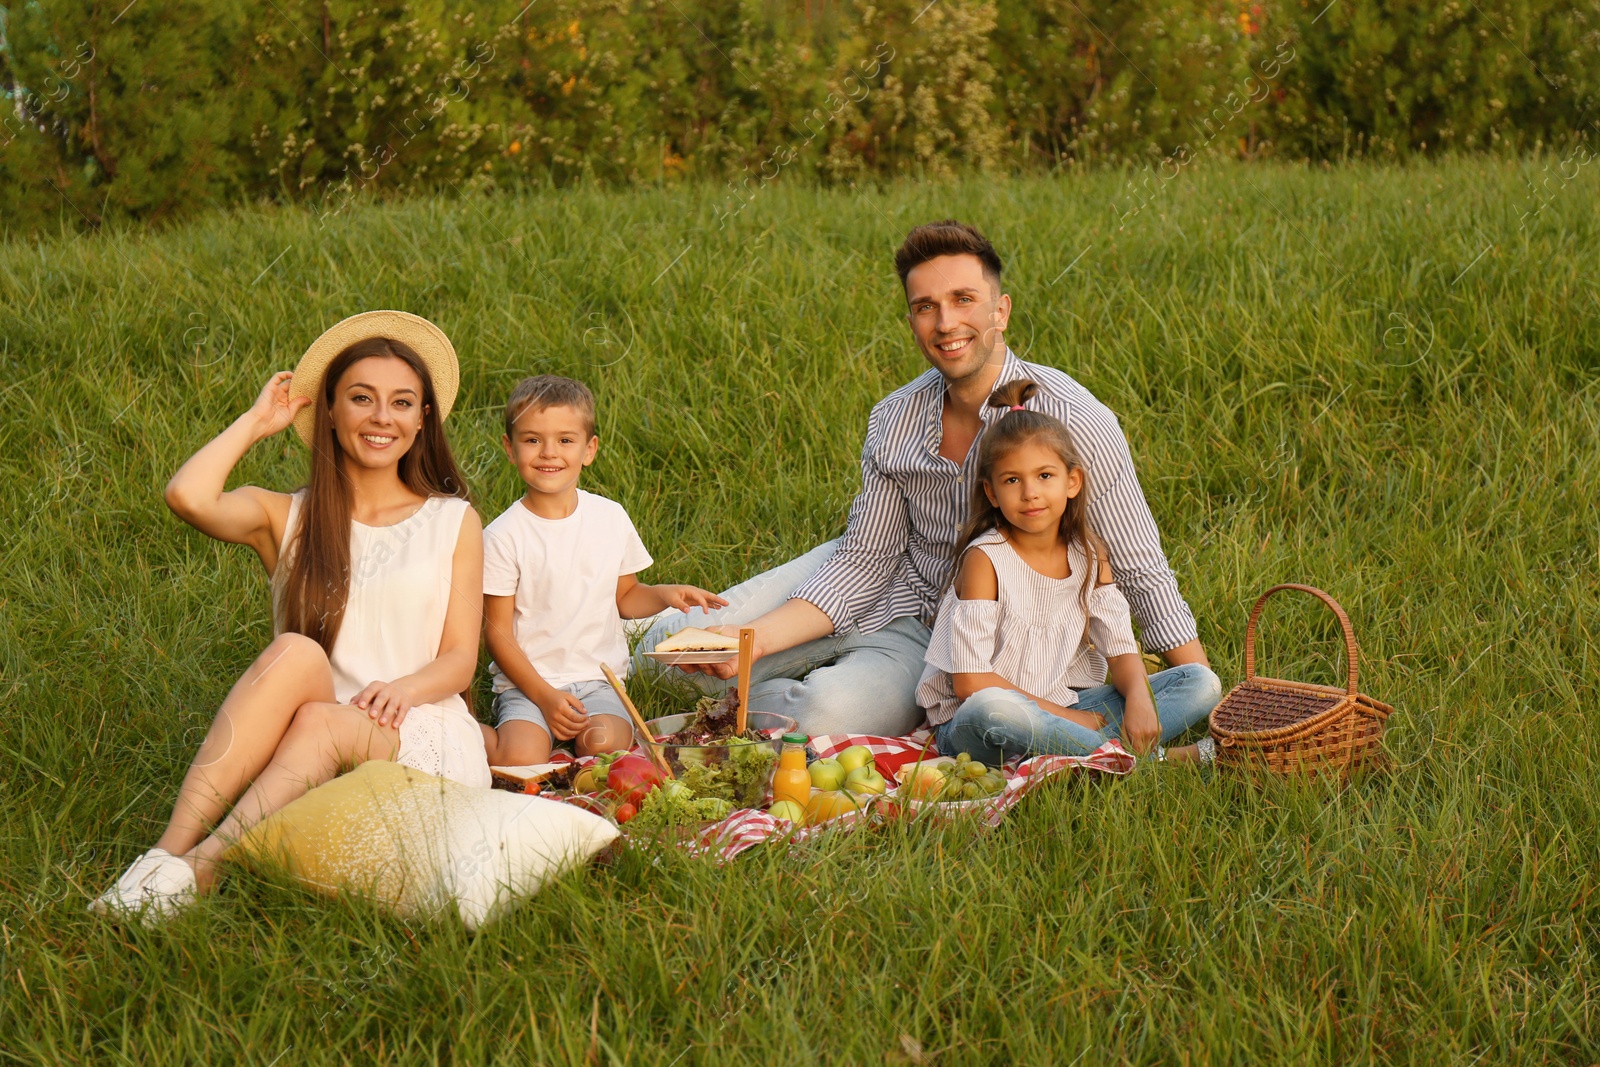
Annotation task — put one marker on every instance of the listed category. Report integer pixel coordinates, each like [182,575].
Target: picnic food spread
[707,781]
[703,771]
[718,779]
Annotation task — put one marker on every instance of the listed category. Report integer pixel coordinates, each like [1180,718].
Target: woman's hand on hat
[275,409]
[386,703]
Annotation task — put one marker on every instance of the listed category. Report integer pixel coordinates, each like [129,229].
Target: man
[841,632]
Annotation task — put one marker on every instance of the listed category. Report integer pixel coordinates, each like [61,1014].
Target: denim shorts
[598,698]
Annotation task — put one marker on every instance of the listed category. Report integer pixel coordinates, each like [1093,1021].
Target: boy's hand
[1140,727]
[684,597]
[565,714]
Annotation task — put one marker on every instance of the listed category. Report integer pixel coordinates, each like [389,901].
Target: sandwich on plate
[694,639]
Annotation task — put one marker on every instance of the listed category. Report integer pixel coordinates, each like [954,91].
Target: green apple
[788,810]
[853,757]
[827,774]
[866,781]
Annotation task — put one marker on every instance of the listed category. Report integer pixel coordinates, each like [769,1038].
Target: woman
[377,573]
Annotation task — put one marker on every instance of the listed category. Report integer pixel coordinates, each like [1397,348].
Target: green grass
[1367,379]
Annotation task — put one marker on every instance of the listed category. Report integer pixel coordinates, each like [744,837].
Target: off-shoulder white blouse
[1036,636]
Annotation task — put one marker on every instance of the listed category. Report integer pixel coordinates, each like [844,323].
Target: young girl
[1033,620]
[376,569]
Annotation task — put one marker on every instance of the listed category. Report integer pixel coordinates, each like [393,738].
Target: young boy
[559,570]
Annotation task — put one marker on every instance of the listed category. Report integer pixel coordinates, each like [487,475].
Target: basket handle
[1333,605]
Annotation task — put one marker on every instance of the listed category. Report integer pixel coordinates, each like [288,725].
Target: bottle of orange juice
[791,781]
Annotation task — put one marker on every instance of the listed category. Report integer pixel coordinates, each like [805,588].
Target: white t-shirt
[564,574]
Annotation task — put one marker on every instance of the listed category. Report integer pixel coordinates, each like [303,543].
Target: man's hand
[731,667]
[794,623]
[564,713]
[684,597]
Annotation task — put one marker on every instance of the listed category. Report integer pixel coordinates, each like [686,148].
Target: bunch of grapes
[971,780]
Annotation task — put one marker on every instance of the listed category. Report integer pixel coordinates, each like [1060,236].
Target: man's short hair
[549,391]
[947,238]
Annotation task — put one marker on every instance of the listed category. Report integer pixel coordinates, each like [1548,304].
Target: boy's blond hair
[549,391]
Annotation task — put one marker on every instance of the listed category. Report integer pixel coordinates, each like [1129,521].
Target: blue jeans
[994,724]
[843,683]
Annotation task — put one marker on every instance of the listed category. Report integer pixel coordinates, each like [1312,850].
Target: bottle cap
[795,739]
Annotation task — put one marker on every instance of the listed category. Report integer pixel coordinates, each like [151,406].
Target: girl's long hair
[317,585]
[1013,430]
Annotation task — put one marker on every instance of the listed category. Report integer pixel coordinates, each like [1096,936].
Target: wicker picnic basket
[1288,728]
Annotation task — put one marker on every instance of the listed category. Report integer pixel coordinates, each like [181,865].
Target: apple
[789,811]
[827,774]
[853,757]
[829,804]
[866,781]
[922,781]
[632,777]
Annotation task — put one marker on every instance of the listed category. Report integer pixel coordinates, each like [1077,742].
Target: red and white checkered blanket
[749,827]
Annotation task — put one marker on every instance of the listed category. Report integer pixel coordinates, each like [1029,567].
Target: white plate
[692,659]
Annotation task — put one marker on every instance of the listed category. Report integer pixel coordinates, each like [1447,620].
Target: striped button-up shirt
[898,551]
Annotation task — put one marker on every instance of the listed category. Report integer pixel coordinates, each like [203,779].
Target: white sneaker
[153,888]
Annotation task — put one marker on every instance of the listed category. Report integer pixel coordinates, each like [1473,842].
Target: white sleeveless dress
[393,623]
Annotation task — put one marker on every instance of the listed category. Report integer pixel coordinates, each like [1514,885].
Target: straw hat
[422,336]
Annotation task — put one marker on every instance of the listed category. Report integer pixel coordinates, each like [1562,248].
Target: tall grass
[1368,379]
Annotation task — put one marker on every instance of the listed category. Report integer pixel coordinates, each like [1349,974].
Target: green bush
[137,116]
[153,111]
[380,101]
[1072,95]
[1388,78]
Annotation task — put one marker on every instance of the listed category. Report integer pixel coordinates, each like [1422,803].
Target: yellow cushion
[418,843]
